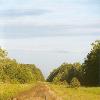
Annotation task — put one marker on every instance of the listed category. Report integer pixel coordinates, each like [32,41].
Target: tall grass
[7,91]
[81,93]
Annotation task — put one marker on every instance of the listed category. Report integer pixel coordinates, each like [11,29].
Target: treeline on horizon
[76,74]
[13,72]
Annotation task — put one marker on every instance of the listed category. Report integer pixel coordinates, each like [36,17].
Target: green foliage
[12,72]
[3,53]
[65,73]
[91,66]
[88,73]
[74,83]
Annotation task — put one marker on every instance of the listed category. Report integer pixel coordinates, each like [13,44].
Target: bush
[64,83]
[20,73]
[74,83]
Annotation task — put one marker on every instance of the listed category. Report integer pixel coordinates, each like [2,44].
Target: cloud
[42,18]
[22,12]
[26,31]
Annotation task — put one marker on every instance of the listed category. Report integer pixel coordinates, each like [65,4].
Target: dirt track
[40,92]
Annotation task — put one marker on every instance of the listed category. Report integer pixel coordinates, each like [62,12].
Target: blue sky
[49,32]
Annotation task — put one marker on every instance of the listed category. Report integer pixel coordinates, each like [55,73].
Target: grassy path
[40,92]
[47,91]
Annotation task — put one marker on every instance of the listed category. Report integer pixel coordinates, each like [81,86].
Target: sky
[49,32]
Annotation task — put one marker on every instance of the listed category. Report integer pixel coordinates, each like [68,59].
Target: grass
[7,91]
[82,93]
[90,93]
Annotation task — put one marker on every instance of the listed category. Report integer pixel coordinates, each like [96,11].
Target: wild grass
[82,93]
[7,91]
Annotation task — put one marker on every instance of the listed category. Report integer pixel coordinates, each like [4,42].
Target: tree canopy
[65,73]
[13,72]
[91,66]
[88,73]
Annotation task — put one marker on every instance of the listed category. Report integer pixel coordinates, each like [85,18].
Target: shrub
[74,83]
[64,83]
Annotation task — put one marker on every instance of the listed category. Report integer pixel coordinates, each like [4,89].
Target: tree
[91,66]
[13,72]
[65,73]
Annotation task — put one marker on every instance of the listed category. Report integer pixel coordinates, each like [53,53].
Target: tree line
[86,74]
[13,72]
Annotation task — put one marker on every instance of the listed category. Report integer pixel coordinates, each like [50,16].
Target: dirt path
[40,92]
